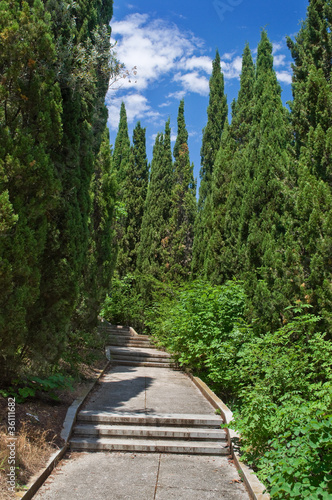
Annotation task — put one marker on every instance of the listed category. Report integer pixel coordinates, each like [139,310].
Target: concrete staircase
[126,347]
[144,430]
[187,434]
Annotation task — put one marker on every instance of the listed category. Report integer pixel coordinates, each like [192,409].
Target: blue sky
[172,45]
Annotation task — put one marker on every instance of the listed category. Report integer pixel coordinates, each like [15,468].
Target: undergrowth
[279,384]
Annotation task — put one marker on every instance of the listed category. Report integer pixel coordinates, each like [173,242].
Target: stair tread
[150,431]
[156,445]
[143,351]
[159,418]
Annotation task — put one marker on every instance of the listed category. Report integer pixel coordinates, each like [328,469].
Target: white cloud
[279,60]
[164,104]
[203,63]
[178,95]
[153,46]
[232,69]
[276,46]
[193,82]
[284,76]
[137,106]
[228,56]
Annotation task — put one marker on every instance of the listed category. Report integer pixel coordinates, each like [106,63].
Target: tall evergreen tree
[183,205]
[99,267]
[55,116]
[30,130]
[153,253]
[222,257]
[311,119]
[134,189]
[217,113]
[121,152]
[267,206]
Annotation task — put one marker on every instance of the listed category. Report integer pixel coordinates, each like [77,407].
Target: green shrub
[203,327]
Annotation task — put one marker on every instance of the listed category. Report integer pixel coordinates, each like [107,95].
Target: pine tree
[153,253]
[311,119]
[134,189]
[183,205]
[217,113]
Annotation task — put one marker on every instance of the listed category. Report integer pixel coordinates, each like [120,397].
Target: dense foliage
[238,288]
[56,191]
[257,323]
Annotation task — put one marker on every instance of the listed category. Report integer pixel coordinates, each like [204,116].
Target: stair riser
[148,448]
[138,359]
[143,363]
[149,420]
[130,337]
[160,434]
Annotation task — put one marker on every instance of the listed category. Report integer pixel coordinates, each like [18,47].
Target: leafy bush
[22,390]
[298,464]
[133,299]
[203,327]
[280,382]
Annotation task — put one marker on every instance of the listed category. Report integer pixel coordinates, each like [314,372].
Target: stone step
[138,352]
[133,343]
[117,330]
[129,337]
[151,364]
[140,359]
[149,431]
[155,419]
[152,446]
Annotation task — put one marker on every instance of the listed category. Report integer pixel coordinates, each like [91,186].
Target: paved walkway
[144,476]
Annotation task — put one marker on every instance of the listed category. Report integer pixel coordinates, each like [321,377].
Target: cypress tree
[82,69]
[267,207]
[311,119]
[30,130]
[183,205]
[153,253]
[217,113]
[222,258]
[134,189]
[121,152]
[99,267]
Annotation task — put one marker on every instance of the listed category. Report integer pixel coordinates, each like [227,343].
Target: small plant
[21,391]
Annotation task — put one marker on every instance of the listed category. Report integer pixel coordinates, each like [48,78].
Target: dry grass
[31,452]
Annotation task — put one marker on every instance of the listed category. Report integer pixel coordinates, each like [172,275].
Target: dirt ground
[38,425]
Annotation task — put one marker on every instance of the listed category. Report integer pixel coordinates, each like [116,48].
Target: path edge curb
[254,486]
[38,480]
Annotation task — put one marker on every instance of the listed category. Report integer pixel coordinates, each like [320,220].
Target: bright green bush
[279,385]
[203,327]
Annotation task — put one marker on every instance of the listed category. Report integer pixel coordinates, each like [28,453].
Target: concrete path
[148,390]
[145,476]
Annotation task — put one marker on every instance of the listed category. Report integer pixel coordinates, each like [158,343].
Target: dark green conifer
[267,205]
[30,130]
[121,152]
[311,119]
[134,189]
[217,113]
[99,267]
[222,257]
[183,205]
[153,253]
